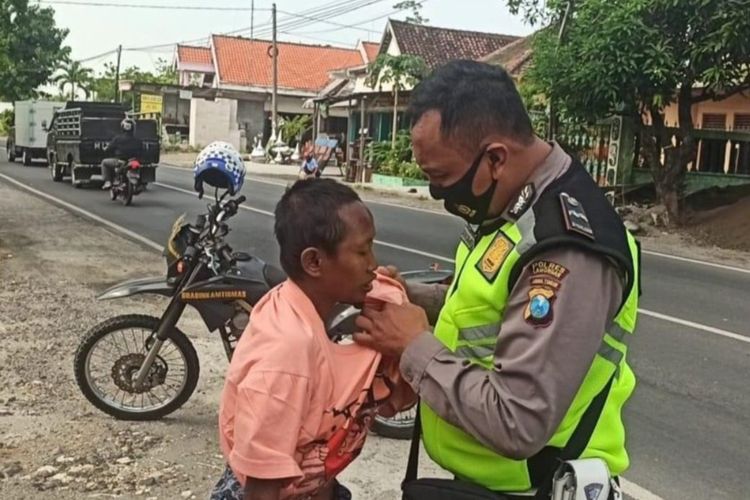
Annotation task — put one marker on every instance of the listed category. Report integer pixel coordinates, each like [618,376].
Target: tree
[103,85]
[31,47]
[416,11]
[166,72]
[294,128]
[400,71]
[636,57]
[76,75]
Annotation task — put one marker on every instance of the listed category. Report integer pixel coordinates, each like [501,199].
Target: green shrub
[397,160]
[6,121]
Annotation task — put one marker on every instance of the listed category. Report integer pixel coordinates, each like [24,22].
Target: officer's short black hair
[308,215]
[474,99]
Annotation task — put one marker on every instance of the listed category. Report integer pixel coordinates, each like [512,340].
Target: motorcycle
[127,181]
[138,367]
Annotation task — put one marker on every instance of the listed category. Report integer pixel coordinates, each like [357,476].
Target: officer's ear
[497,155]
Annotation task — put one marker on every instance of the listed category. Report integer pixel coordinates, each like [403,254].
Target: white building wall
[214,121]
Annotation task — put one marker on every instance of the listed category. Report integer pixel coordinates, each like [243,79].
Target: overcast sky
[98,29]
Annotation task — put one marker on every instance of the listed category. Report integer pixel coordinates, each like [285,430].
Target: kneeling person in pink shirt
[296,407]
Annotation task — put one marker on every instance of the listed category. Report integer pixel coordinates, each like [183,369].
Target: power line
[98,56]
[359,23]
[312,11]
[319,14]
[299,35]
[334,11]
[331,9]
[326,21]
[146,6]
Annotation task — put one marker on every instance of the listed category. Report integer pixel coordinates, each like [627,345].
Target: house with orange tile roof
[239,70]
[374,107]
[195,66]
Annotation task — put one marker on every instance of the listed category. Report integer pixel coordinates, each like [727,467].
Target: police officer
[543,302]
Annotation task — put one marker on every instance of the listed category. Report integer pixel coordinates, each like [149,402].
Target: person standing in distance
[533,330]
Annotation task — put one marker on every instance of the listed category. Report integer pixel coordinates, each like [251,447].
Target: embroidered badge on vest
[575,218]
[493,258]
[523,202]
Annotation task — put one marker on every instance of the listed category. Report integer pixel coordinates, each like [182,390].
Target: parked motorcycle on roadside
[139,367]
[127,181]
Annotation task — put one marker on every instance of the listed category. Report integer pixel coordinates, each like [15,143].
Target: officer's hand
[391,329]
[393,273]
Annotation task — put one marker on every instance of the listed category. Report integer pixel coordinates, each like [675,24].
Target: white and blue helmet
[221,166]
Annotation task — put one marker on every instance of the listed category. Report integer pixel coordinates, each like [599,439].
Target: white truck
[28,137]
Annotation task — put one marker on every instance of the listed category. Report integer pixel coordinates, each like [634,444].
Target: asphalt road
[689,419]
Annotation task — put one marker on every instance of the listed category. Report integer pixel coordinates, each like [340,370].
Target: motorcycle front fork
[168,320]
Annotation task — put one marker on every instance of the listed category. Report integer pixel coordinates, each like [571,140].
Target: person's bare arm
[262,489]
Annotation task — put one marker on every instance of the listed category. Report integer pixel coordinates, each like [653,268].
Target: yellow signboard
[151,103]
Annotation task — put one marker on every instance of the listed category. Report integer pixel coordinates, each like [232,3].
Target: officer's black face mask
[459,198]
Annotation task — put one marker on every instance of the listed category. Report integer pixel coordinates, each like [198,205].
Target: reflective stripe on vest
[469,325]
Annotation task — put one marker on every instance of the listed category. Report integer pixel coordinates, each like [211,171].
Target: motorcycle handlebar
[233,205]
[226,254]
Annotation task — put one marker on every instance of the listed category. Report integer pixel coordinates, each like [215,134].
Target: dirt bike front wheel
[111,354]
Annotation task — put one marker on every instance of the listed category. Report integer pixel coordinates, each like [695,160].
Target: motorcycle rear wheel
[110,405]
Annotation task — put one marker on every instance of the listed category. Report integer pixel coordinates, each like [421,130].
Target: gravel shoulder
[53,443]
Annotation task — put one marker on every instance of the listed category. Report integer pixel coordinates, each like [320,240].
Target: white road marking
[637,492]
[270,214]
[122,230]
[155,246]
[443,214]
[264,180]
[630,488]
[646,312]
[696,261]
[697,326]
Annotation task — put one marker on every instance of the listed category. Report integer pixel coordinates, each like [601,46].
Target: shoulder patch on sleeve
[544,283]
[548,268]
[538,311]
[492,259]
[575,217]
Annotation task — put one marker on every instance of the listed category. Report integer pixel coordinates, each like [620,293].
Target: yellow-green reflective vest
[470,320]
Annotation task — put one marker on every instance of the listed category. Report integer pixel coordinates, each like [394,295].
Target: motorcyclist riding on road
[123,147]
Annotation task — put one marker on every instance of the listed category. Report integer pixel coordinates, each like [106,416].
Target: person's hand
[393,273]
[391,329]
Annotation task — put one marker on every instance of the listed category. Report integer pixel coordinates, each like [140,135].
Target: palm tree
[77,76]
[401,72]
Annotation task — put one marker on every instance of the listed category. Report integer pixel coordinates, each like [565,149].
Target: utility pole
[274,100]
[117,74]
[252,18]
